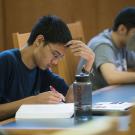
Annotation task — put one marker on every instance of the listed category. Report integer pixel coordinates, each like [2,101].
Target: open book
[66,110]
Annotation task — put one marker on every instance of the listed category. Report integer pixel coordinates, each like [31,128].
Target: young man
[112,59]
[25,77]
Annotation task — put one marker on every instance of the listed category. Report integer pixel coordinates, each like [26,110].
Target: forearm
[113,76]
[120,77]
[88,66]
[9,109]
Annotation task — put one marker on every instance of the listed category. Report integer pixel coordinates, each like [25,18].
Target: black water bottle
[82,90]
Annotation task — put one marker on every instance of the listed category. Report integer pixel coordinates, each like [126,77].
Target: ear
[122,30]
[39,40]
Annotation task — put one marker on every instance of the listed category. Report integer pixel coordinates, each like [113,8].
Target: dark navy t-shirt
[17,81]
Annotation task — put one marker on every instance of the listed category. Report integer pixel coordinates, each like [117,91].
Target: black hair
[125,17]
[52,28]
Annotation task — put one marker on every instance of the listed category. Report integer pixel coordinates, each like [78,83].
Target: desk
[112,93]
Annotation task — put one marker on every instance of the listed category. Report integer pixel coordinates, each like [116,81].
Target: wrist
[86,70]
[87,67]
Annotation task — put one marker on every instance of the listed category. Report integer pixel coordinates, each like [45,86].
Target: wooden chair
[20,39]
[66,68]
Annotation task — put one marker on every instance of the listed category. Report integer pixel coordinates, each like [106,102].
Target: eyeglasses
[55,53]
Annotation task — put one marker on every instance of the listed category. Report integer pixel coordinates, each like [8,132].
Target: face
[130,35]
[125,35]
[47,55]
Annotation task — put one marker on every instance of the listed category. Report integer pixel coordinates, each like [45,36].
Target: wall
[20,15]
[1,26]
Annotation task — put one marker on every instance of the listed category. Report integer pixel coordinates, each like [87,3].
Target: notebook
[35,111]
[66,110]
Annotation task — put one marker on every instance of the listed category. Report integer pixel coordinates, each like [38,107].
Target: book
[35,111]
[66,110]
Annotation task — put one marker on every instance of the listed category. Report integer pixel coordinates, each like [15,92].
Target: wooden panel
[108,9]
[95,15]
[23,14]
[1,26]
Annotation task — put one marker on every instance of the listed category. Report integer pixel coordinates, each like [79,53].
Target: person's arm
[54,81]
[105,62]
[113,76]
[82,50]
[9,109]
[60,85]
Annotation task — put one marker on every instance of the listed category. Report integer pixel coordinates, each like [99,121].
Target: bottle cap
[82,77]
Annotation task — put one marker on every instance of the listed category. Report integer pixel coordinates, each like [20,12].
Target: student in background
[114,63]
[25,77]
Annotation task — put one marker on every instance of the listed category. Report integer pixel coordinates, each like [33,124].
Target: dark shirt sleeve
[4,77]
[57,82]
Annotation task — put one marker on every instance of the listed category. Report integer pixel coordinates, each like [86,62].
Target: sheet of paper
[45,111]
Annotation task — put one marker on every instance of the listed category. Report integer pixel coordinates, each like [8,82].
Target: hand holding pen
[49,97]
[62,98]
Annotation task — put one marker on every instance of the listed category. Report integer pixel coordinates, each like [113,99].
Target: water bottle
[82,90]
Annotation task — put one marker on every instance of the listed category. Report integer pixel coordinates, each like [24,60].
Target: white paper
[45,111]
[112,106]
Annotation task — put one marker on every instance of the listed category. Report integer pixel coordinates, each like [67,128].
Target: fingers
[58,95]
[80,49]
[51,97]
[71,42]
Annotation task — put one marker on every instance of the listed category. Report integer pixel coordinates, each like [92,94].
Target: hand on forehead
[73,43]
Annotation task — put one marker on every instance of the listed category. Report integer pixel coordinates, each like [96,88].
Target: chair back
[20,39]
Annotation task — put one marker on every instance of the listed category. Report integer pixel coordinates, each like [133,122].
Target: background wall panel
[107,10]
[1,26]
[20,15]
